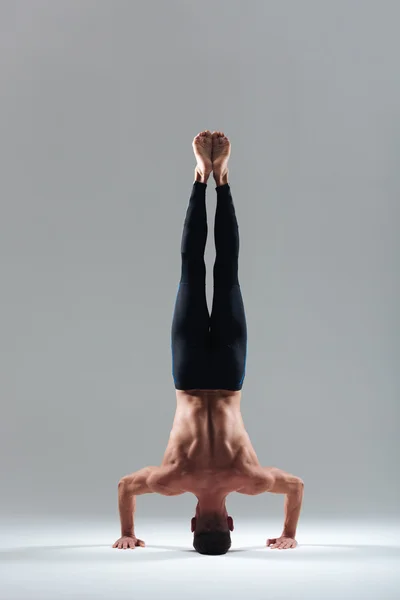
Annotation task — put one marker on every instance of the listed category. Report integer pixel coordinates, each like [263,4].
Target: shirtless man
[209,452]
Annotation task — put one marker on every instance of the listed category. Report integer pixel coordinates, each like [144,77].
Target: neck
[209,505]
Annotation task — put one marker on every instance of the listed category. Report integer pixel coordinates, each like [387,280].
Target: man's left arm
[279,482]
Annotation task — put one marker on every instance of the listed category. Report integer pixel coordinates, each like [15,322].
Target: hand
[282,543]
[127,541]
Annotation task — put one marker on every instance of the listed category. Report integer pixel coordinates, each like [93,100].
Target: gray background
[100,101]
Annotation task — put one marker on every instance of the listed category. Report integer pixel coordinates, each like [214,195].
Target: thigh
[228,320]
[191,320]
[190,338]
[190,367]
[228,367]
[228,338]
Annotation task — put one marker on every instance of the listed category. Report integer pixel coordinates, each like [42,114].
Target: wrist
[289,534]
[127,533]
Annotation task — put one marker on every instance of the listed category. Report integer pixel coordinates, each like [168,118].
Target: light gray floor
[75,559]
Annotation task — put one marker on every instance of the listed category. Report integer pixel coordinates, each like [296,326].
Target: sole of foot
[221,151]
[202,148]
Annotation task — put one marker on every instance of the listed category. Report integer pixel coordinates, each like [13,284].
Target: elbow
[295,488]
[122,483]
[126,487]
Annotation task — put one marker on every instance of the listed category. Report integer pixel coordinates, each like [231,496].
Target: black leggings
[209,352]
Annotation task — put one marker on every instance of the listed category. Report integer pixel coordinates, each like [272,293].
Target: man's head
[211,531]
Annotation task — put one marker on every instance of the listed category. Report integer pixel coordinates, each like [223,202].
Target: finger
[141,543]
[125,544]
[115,545]
[271,541]
[131,544]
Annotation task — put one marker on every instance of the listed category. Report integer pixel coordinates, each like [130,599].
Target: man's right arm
[129,487]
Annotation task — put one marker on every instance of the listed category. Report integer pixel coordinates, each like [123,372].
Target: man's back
[208,443]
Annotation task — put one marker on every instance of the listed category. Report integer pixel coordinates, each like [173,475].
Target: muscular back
[208,443]
[209,448]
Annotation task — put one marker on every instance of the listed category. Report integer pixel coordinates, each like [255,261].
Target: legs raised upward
[209,352]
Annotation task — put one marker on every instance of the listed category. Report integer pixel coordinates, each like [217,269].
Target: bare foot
[202,147]
[221,151]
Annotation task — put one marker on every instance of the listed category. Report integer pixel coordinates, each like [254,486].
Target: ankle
[221,178]
[200,176]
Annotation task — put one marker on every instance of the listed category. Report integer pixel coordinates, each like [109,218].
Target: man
[209,452]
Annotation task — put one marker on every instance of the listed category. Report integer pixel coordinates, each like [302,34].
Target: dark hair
[212,542]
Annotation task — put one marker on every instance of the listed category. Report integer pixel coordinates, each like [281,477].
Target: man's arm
[129,487]
[279,482]
[161,480]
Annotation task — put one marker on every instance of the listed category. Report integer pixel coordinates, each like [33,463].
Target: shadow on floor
[84,553]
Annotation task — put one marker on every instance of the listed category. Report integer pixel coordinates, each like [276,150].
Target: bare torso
[208,445]
[209,454]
